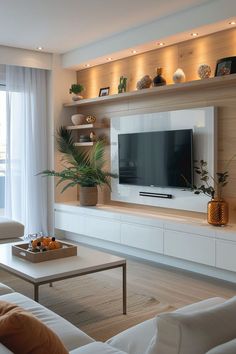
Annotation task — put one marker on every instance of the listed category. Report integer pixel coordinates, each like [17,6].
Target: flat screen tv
[159,158]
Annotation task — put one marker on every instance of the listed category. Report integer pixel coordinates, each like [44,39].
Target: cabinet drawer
[102,228]
[225,255]
[69,222]
[190,247]
[144,237]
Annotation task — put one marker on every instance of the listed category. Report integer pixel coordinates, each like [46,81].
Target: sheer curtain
[26,150]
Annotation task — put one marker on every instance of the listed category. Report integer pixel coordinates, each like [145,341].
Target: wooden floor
[94,302]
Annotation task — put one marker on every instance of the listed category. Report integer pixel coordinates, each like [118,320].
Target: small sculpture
[159,80]
[179,76]
[90,119]
[93,136]
[204,71]
[122,85]
[145,82]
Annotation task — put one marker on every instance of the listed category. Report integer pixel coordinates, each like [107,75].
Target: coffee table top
[87,260]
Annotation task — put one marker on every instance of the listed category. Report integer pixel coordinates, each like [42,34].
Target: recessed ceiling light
[160,44]
[232,23]
[109,59]
[39,48]
[87,65]
[133,51]
[194,34]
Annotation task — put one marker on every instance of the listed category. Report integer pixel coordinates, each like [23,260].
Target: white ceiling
[60,26]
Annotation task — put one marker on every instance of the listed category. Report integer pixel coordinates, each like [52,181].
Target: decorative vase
[217,212]
[179,76]
[204,71]
[88,196]
[159,79]
[77,119]
[77,97]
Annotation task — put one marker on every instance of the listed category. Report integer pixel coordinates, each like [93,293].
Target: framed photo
[225,66]
[104,91]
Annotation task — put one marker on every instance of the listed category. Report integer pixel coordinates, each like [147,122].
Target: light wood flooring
[94,302]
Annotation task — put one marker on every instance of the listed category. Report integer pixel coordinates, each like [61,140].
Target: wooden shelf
[214,82]
[85,126]
[87,143]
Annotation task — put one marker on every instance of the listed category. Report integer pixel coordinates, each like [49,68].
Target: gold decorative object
[204,71]
[218,212]
[90,119]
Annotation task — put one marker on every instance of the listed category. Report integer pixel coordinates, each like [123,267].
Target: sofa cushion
[4,350]
[23,333]
[10,229]
[71,336]
[4,289]
[135,340]
[97,348]
[186,330]
[226,348]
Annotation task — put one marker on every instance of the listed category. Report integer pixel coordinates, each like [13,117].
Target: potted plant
[76,89]
[83,168]
[212,186]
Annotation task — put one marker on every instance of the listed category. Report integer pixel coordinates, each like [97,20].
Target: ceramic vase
[159,79]
[179,76]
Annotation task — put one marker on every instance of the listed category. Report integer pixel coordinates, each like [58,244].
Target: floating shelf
[87,143]
[85,126]
[214,82]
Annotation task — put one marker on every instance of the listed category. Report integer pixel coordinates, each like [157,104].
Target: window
[2,148]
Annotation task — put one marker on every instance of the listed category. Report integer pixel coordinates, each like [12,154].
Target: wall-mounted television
[157,158]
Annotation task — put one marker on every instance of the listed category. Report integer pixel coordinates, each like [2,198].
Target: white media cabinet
[183,242]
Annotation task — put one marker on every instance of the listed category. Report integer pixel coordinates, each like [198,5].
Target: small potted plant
[212,186]
[76,89]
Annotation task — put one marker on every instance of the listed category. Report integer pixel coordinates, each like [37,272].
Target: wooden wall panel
[187,55]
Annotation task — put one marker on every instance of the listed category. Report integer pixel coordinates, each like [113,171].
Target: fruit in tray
[44,243]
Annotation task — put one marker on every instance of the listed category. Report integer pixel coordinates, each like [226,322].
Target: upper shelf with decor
[214,82]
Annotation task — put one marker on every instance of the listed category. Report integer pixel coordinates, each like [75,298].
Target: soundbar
[155,195]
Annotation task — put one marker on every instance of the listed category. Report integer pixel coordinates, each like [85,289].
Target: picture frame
[225,66]
[104,91]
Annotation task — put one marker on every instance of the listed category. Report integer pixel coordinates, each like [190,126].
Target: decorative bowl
[77,119]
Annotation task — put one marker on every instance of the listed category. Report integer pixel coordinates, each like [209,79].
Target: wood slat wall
[187,55]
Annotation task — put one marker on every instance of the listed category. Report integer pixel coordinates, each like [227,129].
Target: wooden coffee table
[87,261]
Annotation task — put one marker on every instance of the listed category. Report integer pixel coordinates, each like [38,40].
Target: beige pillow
[195,332]
[23,333]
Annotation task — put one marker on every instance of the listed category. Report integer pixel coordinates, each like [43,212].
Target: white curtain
[25,191]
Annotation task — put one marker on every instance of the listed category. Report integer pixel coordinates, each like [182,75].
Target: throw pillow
[195,328]
[23,333]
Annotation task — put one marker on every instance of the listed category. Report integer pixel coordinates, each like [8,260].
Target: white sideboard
[183,242]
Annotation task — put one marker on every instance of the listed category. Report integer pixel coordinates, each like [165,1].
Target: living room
[141,69]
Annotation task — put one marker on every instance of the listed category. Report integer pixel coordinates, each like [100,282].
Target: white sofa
[186,331]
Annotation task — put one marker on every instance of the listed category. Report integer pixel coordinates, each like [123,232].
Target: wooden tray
[21,251]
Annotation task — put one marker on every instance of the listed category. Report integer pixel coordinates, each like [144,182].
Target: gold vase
[217,212]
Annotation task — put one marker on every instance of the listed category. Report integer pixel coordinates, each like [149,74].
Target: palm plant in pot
[83,168]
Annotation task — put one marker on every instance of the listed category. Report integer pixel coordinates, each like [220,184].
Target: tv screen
[159,158]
